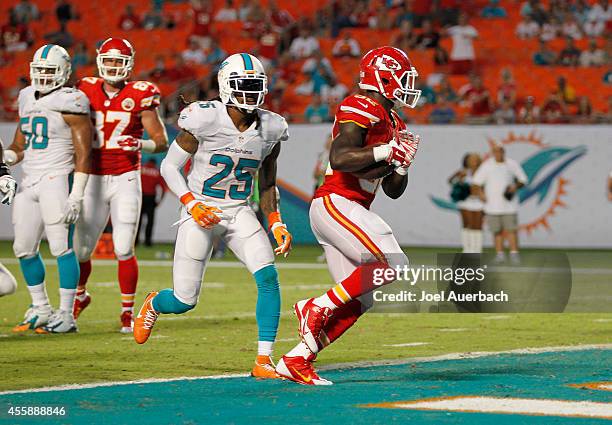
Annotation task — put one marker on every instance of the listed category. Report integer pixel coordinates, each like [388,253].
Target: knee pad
[22,251]
[8,284]
[123,241]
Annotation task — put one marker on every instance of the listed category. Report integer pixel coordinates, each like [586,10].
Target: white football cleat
[300,370]
[60,322]
[34,317]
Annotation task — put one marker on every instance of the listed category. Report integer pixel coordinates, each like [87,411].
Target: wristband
[148,145]
[381,153]
[187,198]
[273,218]
[79,181]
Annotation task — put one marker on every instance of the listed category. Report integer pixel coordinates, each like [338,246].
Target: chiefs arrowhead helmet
[388,71]
[118,54]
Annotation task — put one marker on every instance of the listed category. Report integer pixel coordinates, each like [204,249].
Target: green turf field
[219,335]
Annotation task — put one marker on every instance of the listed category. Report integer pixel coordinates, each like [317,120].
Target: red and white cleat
[80,305]
[126,322]
[143,324]
[300,370]
[312,320]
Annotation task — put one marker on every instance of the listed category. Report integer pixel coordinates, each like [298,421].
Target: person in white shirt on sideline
[497,181]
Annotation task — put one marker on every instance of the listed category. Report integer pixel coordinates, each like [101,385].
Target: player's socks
[68,268]
[85,272]
[265,348]
[465,240]
[267,311]
[128,279]
[33,271]
[300,350]
[477,240]
[342,319]
[360,282]
[165,302]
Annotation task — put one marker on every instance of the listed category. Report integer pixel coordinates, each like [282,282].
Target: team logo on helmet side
[387,63]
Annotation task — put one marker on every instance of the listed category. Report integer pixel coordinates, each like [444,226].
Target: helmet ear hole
[385,80]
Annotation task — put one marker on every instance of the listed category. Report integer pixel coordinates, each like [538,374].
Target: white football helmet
[242,81]
[50,68]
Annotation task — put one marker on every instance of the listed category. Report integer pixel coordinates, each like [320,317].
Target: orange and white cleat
[126,322]
[300,370]
[80,305]
[144,321]
[264,368]
[312,320]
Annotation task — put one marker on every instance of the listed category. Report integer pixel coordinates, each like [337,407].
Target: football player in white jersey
[8,188]
[229,141]
[53,144]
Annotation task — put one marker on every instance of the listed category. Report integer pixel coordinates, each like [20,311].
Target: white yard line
[451,356]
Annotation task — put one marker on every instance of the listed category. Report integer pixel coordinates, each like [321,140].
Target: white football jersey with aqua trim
[48,138]
[227,160]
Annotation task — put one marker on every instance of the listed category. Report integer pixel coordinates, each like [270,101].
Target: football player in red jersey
[121,111]
[371,148]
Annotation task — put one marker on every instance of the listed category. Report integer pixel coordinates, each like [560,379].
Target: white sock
[39,295]
[477,235]
[67,299]
[264,348]
[325,301]
[300,350]
[465,240]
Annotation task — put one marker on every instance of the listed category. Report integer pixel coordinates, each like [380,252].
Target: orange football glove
[202,214]
[281,234]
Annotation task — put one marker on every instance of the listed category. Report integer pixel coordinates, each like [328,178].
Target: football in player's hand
[374,171]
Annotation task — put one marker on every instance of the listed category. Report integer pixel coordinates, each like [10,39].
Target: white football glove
[8,188]
[72,209]
[410,142]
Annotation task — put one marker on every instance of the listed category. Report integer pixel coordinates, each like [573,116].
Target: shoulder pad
[273,126]
[146,93]
[69,100]
[360,110]
[200,118]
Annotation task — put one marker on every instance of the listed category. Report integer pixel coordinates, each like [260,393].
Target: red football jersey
[382,128]
[114,117]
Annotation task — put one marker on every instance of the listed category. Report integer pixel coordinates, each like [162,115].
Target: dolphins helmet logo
[545,184]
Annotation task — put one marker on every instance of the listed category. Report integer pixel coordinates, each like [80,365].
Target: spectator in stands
[529,113]
[406,39]
[536,10]
[445,92]
[527,28]
[584,112]
[504,114]
[253,24]
[507,88]
[282,76]
[245,9]
[64,11]
[317,111]
[228,13]
[334,91]
[61,37]
[342,18]
[14,36]
[26,11]
[548,31]
[478,99]
[305,45]
[269,45]
[194,54]
[593,56]
[152,19]
[347,46]
[600,11]
[129,21]
[544,56]
[215,54]
[607,78]
[443,113]
[153,190]
[554,110]
[159,72]
[382,20]
[319,71]
[429,38]
[404,14]
[462,55]
[570,27]
[181,72]
[80,56]
[281,18]
[440,57]
[581,11]
[570,54]
[201,13]
[428,95]
[594,28]
[493,10]
[565,90]
[361,15]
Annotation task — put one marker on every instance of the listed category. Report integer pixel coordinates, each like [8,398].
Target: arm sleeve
[171,168]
